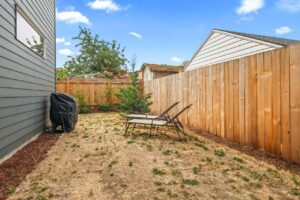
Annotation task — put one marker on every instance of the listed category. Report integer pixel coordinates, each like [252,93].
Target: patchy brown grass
[98,162]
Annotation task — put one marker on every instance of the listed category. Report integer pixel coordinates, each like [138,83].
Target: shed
[27,68]
[154,71]
[221,46]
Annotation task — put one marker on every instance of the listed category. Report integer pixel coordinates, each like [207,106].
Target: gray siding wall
[26,79]
[221,47]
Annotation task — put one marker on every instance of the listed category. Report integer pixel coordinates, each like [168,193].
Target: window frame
[18,10]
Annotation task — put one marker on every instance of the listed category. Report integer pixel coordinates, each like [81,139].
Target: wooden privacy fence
[253,100]
[95,90]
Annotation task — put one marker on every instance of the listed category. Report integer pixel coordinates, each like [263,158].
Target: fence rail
[254,100]
[95,90]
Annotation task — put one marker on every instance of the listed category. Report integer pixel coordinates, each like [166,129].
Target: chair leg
[126,128]
[157,130]
[151,130]
[133,127]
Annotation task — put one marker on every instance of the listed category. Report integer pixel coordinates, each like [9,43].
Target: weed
[167,152]
[85,136]
[160,189]
[252,196]
[238,160]
[91,194]
[296,181]
[176,173]
[11,191]
[190,182]
[220,153]
[116,129]
[149,147]
[130,142]
[157,183]
[255,185]
[157,171]
[196,170]
[295,192]
[112,163]
[255,175]
[208,159]
[130,164]
[202,146]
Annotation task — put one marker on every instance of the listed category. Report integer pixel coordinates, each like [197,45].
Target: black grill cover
[63,111]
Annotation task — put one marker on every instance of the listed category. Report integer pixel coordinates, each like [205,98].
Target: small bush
[84,110]
[105,107]
[82,103]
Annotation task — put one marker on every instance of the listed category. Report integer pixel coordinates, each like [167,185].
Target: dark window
[28,34]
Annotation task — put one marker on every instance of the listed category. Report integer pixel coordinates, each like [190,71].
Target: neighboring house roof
[162,68]
[274,40]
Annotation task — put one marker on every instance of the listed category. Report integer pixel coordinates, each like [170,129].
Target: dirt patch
[98,162]
[14,170]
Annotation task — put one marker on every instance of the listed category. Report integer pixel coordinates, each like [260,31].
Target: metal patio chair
[164,115]
[156,123]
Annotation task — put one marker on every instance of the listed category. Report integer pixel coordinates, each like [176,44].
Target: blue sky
[170,31]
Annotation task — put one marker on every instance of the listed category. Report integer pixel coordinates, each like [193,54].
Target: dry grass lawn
[98,162]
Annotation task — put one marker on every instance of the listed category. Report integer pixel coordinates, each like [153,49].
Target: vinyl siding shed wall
[26,79]
[221,47]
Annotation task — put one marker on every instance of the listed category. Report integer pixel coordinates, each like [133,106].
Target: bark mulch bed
[14,170]
[278,162]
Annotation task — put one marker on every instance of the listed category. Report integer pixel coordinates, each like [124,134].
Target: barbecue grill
[63,112]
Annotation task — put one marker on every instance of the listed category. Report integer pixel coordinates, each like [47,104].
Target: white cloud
[289,5]
[67,43]
[136,35]
[283,30]
[250,6]
[60,40]
[176,59]
[65,52]
[106,5]
[72,17]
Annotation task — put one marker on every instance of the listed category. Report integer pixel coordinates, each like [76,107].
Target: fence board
[94,90]
[254,100]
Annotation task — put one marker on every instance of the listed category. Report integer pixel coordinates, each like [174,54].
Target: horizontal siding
[222,47]
[26,79]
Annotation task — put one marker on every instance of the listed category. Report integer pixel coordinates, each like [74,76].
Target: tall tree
[96,55]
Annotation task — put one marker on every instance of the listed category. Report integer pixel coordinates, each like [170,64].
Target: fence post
[68,85]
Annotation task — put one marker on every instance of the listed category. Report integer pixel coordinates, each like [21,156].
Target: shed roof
[162,68]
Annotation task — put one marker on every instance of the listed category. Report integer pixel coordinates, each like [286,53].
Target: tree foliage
[96,55]
[132,98]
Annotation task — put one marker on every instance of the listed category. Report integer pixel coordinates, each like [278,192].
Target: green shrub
[82,103]
[105,107]
[132,98]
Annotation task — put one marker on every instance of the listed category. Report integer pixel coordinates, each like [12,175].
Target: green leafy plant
[96,55]
[105,107]
[82,103]
[132,98]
